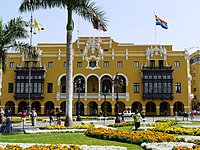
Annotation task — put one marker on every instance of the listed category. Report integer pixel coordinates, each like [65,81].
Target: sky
[130,21]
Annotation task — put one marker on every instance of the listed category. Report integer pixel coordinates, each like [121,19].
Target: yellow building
[195,72]
[144,77]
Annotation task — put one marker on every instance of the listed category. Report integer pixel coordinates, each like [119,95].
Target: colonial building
[152,78]
[195,72]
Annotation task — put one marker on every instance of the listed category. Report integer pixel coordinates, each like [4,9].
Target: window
[105,50]
[161,64]
[178,87]
[12,64]
[79,64]
[195,89]
[177,63]
[120,64]
[10,87]
[152,63]
[136,63]
[136,88]
[50,64]
[49,87]
[26,64]
[106,64]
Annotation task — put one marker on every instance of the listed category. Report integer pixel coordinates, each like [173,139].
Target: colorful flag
[36,25]
[160,22]
[98,26]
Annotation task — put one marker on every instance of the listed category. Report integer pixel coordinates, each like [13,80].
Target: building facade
[195,73]
[106,74]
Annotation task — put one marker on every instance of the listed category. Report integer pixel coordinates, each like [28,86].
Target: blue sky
[130,21]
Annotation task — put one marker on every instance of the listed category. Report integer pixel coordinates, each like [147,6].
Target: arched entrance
[49,105]
[63,84]
[37,107]
[150,108]
[92,106]
[10,105]
[164,108]
[179,107]
[22,106]
[108,108]
[136,105]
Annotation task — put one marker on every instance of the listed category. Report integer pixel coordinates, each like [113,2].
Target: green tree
[14,30]
[89,12]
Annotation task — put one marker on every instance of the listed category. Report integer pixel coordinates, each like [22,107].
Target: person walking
[51,113]
[23,116]
[137,117]
[33,117]
[58,118]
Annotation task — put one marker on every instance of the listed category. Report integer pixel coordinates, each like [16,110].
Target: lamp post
[118,84]
[30,53]
[78,87]
[105,93]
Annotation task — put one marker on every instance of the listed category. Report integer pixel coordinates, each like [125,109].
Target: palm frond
[90,12]
[32,5]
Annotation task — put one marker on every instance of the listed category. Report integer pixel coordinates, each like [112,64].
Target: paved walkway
[19,126]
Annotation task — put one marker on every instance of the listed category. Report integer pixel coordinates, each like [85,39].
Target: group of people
[51,116]
[33,115]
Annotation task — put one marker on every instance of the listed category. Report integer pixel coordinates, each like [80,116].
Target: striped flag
[161,22]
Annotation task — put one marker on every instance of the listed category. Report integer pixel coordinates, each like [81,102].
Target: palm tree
[9,34]
[85,9]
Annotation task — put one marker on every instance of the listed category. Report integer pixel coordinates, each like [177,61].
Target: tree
[9,34]
[83,8]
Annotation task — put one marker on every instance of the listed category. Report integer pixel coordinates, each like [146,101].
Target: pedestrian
[137,117]
[33,117]
[192,115]
[51,113]
[123,116]
[176,115]
[1,116]
[58,118]
[23,116]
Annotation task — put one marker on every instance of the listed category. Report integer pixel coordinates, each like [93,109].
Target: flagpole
[155,30]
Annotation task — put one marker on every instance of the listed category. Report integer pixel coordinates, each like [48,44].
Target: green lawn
[62,138]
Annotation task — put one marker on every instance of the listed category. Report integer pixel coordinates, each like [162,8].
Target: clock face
[92,63]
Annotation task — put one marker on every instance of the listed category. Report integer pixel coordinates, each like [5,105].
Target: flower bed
[167,127]
[122,124]
[22,146]
[131,137]
[195,147]
[60,127]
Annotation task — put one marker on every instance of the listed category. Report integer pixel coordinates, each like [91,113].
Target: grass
[62,138]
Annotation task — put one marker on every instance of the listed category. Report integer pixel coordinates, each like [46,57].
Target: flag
[98,26]
[160,22]
[36,25]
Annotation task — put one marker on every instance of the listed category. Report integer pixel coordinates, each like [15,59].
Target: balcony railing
[27,68]
[95,95]
[156,67]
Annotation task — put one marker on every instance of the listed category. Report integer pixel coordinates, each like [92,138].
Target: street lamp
[118,83]
[79,88]
[32,53]
[105,93]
